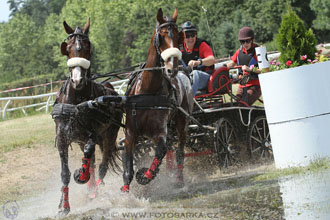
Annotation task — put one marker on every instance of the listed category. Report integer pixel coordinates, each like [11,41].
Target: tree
[303,10]
[322,22]
[293,40]
[38,10]
[225,45]
[18,43]
[14,6]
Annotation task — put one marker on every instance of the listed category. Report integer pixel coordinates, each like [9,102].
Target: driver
[198,55]
[246,57]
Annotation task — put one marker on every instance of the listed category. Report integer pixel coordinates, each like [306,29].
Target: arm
[206,54]
[208,61]
[233,61]
[231,64]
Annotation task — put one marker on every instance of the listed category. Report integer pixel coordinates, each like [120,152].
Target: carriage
[220,124]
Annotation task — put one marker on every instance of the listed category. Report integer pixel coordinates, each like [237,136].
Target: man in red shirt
[246,57]
[197,54]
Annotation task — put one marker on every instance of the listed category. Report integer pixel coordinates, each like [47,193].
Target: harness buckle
[133,109]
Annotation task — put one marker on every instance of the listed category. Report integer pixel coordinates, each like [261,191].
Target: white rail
[120,87]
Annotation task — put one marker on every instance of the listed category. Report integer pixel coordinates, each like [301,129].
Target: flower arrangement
[275,64]
[296,44]
[304,60]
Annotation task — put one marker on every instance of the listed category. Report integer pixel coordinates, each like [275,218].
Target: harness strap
[147,101]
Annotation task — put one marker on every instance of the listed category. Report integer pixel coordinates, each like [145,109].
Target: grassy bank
[315,165]
[24,132]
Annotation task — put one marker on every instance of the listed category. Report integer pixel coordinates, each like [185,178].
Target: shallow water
[306,196]
[205,196]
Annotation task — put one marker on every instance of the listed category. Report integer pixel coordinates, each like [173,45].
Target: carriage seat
[217,81]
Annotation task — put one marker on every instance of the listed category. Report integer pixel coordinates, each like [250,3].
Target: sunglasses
[189,35]
[246,41]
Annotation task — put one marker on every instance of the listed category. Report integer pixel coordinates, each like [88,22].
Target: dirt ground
[30,175]
[26,170]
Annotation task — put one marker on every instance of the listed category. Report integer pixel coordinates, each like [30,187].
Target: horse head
[78,50]
[166,40]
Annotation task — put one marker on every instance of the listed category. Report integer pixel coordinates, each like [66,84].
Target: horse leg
[82,174]
[182,132]
[127,158]
[145,175]
[64,205]
[107,148]
[91,183]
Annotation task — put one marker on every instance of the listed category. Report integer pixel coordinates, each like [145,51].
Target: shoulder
[200,41]
[202,44]
[234,57]
[237,52]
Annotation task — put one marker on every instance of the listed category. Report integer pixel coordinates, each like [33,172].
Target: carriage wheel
[228,152]
[260,146]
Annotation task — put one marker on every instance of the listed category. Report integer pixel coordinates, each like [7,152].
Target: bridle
[170,25]
[169,52]
[79,61]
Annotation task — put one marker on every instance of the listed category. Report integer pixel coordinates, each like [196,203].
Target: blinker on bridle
[170,25]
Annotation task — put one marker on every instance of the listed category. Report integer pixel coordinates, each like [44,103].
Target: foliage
[121,30]
[38,10]
[293,39]
[322,22]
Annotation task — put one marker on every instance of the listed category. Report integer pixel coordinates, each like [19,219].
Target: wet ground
[210,194]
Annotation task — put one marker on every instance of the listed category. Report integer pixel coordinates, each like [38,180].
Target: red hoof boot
[125,188]
[81,175]
[94,193]
[144,176]
[64,205]
[91,184]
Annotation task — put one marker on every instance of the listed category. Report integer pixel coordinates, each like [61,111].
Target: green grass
[27,131]
[315,165]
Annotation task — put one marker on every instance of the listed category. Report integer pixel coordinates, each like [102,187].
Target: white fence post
[4,109]
[118,85]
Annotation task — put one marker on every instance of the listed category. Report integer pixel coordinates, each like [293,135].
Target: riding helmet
[245,33]
[188,27]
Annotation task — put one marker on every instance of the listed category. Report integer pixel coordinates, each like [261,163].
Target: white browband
[78,61]
[171,52]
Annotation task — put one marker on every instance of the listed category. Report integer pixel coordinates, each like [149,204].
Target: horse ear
[63,48]
[67,28]
[175,15]
[181,37]
[86,28]
[160,17]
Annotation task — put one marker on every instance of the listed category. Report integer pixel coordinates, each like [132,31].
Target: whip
[207,22]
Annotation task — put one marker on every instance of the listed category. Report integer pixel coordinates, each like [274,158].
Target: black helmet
[245,33]
[188,27]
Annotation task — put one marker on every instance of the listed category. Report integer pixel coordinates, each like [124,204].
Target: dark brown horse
[79,123]
[161,87]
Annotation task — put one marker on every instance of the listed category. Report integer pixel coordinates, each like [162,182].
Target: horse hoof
[125,189]
[179,184]
[63,212]
[80,177]
[141,178]
[92,196]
